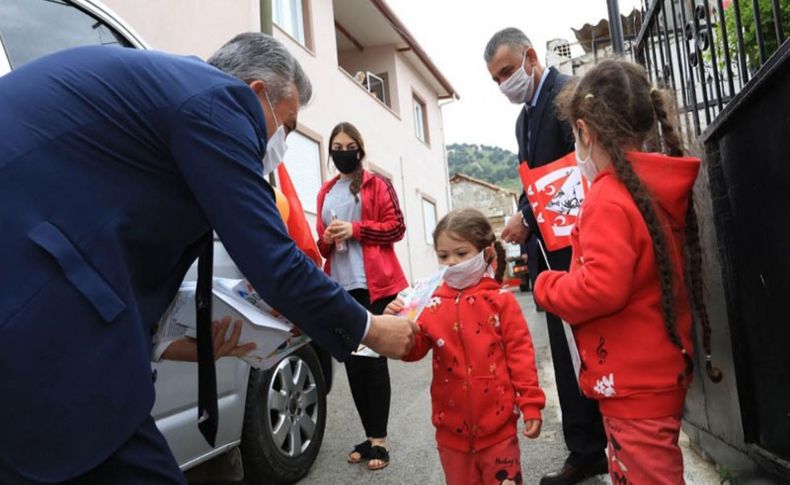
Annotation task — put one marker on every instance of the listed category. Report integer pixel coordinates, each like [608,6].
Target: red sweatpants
[644,451]
[497,464]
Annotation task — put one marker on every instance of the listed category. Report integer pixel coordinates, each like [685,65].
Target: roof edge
[407,36]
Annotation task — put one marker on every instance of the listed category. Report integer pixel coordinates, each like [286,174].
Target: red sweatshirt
[382,225]
[612,294]
[483,365]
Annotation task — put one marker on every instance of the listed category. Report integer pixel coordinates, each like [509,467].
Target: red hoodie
[483,365]
[612,294]
[382,225]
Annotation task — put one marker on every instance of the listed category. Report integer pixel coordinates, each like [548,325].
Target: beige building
[366,68]
[496,202]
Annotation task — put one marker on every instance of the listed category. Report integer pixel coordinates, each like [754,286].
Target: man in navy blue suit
[115,167]
[543,138]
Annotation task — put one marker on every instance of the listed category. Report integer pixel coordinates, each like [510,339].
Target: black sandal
[378,453]
[363,449]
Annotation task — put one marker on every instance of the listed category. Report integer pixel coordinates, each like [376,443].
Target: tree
[749,25]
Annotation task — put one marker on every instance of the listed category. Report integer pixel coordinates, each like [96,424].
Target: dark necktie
[207,372]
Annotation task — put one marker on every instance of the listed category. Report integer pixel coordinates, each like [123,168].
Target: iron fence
[707,50]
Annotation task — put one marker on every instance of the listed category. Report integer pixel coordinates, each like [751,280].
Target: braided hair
[616,101]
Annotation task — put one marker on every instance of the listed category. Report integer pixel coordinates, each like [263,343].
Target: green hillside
[492,164]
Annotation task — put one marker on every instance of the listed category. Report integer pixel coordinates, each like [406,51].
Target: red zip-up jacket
[612,295]
[483,365]
[382,225]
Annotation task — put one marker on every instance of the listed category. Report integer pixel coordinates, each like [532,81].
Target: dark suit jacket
[115,164]
[548,139]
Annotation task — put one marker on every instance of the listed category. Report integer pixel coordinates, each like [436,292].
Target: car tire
[284,419]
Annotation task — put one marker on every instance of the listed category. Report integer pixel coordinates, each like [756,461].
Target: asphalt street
[414,459]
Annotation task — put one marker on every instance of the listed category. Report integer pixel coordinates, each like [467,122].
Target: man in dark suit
[543,138]
[115,167]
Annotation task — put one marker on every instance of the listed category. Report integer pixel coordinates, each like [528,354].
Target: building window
[429,219]
[378,85]
[303,161]
[289,15]
[420,120]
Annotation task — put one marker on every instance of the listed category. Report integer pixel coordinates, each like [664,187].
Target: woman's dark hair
[353,133]
[615,99]
[471,225]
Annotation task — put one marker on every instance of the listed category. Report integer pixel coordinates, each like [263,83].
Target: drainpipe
[448,195]
[266,28]
[266,16]
[406,220]
[615,26]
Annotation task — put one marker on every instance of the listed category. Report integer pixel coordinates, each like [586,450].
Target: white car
[277,417]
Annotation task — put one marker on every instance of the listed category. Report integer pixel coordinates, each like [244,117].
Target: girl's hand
[327,236]
[229,347]
[532,428]
[395,307]
[340,230]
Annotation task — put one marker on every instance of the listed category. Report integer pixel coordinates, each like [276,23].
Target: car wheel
[284,419]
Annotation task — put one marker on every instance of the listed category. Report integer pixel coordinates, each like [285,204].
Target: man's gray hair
[510,36]
[256,56]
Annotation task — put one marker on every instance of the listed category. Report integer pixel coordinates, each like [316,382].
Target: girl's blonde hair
[471,225]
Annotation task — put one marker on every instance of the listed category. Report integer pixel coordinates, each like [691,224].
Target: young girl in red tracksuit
[484,372]
[626,294]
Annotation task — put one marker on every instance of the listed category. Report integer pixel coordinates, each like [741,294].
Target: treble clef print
[601,351]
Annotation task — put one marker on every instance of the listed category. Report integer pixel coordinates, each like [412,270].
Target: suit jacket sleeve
[216,140]
[523,202]
[526,211]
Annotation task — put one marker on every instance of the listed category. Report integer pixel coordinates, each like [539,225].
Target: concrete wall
[416,169]
[376,60]
[188,26]
[497,205]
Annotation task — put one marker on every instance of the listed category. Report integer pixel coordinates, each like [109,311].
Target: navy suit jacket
[115,164]
[542,140]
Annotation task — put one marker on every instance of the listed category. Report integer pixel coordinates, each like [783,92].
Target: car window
[34,28]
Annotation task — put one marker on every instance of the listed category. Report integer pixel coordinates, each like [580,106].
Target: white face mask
[466,274]
[587,167]
[275,146]
[520,86]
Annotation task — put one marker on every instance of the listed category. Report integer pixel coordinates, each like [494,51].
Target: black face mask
[346,161]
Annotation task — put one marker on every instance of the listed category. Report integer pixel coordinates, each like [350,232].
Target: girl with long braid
[635,276]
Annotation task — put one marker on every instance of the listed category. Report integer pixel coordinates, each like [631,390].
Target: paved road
[411,435]
[412,443]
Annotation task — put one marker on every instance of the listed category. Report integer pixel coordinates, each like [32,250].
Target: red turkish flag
[555,192]
[297,224]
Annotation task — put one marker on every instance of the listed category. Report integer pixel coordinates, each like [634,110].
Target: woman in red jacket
[359,222]
[626,293]
[484,371]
